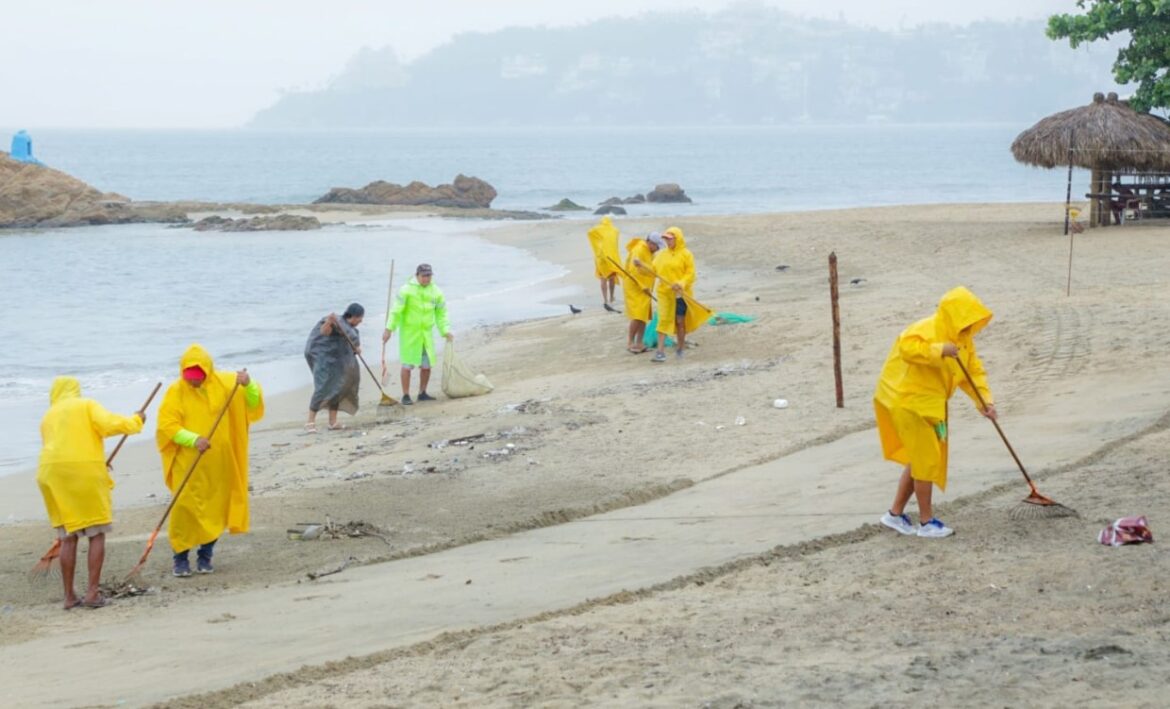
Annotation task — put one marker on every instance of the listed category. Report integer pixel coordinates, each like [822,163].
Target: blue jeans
[203,553]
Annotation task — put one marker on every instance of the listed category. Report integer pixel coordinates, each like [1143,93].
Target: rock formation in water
[280,222]
[668,192]
[32,195]
[465,192]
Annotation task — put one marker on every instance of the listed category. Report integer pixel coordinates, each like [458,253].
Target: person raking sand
[917,380]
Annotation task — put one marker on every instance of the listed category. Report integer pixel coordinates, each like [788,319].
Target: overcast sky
[213,63]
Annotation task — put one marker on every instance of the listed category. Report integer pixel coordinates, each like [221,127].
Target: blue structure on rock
[22,148]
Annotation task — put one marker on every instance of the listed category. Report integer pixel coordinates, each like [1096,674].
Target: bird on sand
[573,310]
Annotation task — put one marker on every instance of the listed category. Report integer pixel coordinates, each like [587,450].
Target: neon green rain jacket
[417,311]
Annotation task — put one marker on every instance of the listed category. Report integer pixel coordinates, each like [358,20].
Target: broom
[1035,505]
[389,303]
[175,498]
[46,567]
[387,400]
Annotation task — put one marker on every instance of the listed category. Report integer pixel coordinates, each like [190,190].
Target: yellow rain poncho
[72,473]
[603,238]
[636,289]
[676,264]
[917,381]
[216,498]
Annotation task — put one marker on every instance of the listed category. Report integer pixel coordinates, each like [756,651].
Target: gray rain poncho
[335,369]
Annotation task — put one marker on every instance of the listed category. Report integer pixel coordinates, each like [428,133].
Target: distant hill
[745,66]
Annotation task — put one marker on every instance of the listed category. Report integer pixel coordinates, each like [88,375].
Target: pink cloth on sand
[1127,530]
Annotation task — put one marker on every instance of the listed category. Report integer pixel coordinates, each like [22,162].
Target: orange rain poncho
[603,238]
[72,473]
[917,381]
[216,498]
[636,289]
[676,264]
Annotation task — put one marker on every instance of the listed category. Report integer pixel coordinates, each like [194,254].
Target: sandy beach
[685,559]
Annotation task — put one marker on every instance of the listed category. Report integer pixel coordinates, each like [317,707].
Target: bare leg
[405,381]
[332,418]
[95,559]
[312,418]
[68,559]
[604,300]
[905,489]
[424,376]
[612,285]
[922,492]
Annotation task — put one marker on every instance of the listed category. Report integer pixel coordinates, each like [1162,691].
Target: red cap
[194,373]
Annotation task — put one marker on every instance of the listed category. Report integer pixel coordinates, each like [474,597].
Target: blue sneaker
[182,567]
[935,529]
[406,400]
[203,566]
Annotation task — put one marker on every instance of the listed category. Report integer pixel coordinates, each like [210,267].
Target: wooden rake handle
[110,460]
[190,469]
[983,405]
[623,270]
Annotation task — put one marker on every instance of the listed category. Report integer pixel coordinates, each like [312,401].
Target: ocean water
[116,305]
[725,170]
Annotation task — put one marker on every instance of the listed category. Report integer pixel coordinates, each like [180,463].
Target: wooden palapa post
[836,329]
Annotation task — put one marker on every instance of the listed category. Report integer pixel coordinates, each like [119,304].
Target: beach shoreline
[577,427]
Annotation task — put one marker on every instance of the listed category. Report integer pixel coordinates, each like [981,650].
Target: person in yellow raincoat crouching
[75,482]
[216,496]
[917,380]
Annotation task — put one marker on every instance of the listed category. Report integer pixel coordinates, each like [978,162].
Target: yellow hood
[196,356]
[959,310]
[680,241]
[64,388]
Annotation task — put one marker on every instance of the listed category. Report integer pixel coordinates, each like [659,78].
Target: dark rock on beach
[669,193]
[464,192]
[280,222]
[610,209]
[566,205]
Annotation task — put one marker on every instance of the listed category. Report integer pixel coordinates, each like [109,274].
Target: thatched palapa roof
[1105,135]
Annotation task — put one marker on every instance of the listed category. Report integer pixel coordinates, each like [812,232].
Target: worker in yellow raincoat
[637,285]
[74,480]
[603,239]
[678,311]
[216,496]
[910,403]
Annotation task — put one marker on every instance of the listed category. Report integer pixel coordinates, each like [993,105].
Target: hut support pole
[836,330]
[1094,203]
[1068,193]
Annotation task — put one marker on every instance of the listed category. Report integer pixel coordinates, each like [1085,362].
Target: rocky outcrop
[280,222]
[465,192]
[668,193]
[610,209]
[636,199]
[566,205]
[33,195]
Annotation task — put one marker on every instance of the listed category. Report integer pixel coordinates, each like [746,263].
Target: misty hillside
[745,66]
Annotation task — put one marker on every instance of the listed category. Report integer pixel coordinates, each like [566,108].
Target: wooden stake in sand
[836,329]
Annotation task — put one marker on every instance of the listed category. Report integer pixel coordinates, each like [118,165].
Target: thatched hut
[1104,137]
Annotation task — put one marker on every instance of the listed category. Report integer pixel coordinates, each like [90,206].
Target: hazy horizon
[120,64]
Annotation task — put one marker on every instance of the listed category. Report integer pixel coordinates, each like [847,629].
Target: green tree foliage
[1144,61]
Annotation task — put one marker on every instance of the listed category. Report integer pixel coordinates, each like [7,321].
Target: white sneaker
[900,523]
[935,529]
